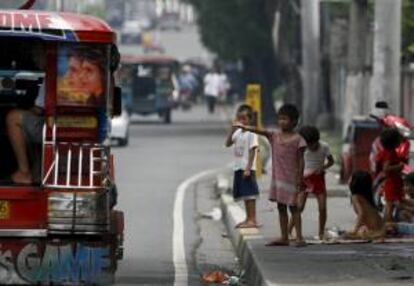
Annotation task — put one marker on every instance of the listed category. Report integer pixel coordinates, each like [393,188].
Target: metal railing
[90,172]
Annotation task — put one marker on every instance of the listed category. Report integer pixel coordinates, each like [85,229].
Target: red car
[356,148]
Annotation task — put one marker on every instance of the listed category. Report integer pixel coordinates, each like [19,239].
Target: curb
[240,240]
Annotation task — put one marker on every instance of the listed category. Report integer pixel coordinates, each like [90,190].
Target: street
[182,45]
[328,86]
[149,171]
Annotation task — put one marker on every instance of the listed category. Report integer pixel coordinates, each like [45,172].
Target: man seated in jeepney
[24,126]
[82,83]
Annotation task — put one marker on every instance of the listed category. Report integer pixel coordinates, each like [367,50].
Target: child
[369,223]
[405,211]
[287,170]
[245,152]
[392,167]
[318,158]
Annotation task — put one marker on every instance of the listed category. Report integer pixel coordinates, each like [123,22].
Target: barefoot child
[287,170]
[245,152]
[369,223]
[392,166]
[318,159]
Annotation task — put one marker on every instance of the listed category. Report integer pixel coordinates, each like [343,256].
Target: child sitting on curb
[369,224]
[245,154]
[318,159]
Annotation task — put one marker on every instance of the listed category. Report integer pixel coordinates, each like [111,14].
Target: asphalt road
[182,44]
[148,172]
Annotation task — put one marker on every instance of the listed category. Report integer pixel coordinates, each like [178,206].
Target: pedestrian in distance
[245,146]
[369,224]
[288,149]
[318,159]
[212,88]
[392,166]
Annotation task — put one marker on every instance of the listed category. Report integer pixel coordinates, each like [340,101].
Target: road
[149,171]
[182,45]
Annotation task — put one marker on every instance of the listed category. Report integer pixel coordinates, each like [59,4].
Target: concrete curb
[232,213]
[242,238]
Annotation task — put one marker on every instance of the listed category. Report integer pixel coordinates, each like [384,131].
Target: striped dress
[285,164]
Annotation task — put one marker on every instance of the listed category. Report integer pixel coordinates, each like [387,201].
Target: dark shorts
[245,188]
[33,127]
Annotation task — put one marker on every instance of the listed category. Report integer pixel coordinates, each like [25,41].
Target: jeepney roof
[147,59]
[54,26]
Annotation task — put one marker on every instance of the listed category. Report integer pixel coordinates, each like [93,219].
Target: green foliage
[235,28]
[408,28]
[96,10]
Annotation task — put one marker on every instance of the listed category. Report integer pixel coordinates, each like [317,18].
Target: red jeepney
[62,228]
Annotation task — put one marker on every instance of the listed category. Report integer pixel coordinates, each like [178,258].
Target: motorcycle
[404,127]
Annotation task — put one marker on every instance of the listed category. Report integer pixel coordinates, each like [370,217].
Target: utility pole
[310,11]
[356,101]
[387,53]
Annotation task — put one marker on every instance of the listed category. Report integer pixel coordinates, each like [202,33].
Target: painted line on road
[179,258]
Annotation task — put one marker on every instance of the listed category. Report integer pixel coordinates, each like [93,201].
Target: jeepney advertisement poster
[81,76]
[55,263]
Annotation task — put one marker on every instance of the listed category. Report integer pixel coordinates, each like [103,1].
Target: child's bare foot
[20,177]
[240,223]
[278,242]
[248,224]
[299,243]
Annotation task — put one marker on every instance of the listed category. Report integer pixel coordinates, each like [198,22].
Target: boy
[318,159]
[392,166]
[245,152]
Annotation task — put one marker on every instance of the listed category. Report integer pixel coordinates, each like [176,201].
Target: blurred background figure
[213,86]
[188,84]
[224,87]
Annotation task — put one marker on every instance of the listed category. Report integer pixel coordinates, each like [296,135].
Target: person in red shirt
[392,166]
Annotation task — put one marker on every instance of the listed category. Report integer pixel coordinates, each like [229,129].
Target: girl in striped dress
[288,149]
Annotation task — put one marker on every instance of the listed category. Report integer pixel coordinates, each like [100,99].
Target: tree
[242,30]
[408,30]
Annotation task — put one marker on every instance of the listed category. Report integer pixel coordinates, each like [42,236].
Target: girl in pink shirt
[288,149]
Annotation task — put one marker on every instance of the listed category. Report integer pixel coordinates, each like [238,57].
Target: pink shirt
[285,164]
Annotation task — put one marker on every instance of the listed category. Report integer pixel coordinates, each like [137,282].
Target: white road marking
[179,259]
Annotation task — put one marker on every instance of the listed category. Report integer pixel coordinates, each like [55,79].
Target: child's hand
[300,186]
[237,124]
[247,173]
[320,171]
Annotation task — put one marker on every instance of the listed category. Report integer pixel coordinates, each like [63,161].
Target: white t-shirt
[243,142]
[315,160]
[212,84]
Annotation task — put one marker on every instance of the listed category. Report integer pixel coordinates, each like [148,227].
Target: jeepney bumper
[79,212]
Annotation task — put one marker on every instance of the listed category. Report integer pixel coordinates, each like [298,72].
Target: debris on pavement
[214,277]
[221,277]
[215,214]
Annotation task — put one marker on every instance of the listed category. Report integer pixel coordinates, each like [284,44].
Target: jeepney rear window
[82,78]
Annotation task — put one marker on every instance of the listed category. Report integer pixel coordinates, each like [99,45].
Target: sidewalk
[345,264]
